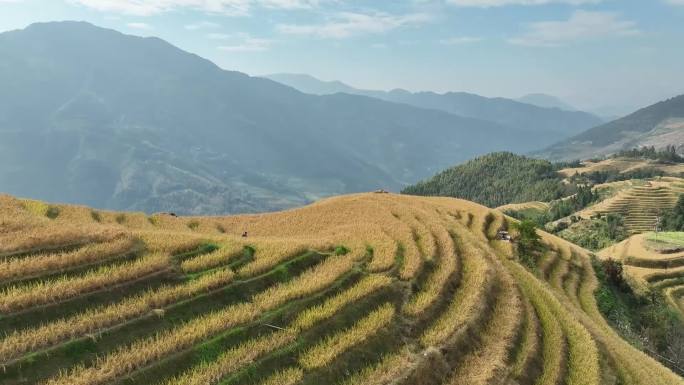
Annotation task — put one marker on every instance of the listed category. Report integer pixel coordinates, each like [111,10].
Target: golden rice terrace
[640,204]
[359,289]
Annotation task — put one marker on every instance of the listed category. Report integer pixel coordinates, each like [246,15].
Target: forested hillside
[495,179]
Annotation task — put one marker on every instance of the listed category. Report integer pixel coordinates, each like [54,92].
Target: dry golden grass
[288,376]
[434,285]
[213,259]
[233,359]
[325,351]
[24,341]
[331,306]
[143,352]
[542,206]
[51,236]
[19,297]
[170,241]
[497,339]
[270,252]
[12,269]
[309,282]
[386,371]
[583,359]
[470,296]
[414,237]
[632,365]
[529,343]
[622,165]
[484,302]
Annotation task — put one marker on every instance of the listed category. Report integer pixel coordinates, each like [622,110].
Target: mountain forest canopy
[496,179]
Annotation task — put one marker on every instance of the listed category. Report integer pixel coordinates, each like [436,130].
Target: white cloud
[249,45]
[219,36]
[582,25]
[500,3]
[144,26]
[458,40]
[244,43]
[346,24]
[202,25]
[150,7]
[289,4]
[226,7]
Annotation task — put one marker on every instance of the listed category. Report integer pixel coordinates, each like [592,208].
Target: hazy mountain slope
[311,85]
[550,123]
[658,125]
[92,116]
[546,101]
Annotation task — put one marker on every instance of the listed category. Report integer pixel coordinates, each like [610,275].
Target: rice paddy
[357,289]
[640,204]
[653,262]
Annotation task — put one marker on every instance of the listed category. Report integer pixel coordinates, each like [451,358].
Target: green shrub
[597,233]
[96,216]
[341,250]
[193,225]
[120,219]
[647,322]
[673,220]
[529,243]
[52,212]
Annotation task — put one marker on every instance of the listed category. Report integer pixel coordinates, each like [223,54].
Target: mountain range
[92,116]
[546,101]
[549,122]
[657,125]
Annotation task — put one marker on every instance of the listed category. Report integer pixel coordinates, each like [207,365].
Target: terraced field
[649,267]
[541,206]
[358,289]
[641,204]
[623,165]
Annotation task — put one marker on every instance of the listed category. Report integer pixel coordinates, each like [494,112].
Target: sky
[609,56]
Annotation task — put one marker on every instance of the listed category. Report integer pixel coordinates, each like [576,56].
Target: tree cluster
[673,220]
[668,154]
[496,179]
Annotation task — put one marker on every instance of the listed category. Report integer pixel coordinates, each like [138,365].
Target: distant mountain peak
[657,125]
[546,101]
[549,123]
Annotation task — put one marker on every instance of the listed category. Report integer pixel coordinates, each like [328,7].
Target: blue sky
[591,53]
